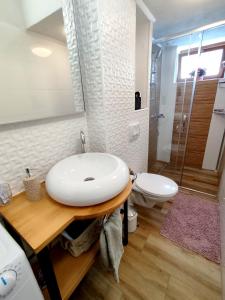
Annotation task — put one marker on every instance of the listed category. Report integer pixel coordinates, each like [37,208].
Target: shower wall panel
[202,108]
[201,115]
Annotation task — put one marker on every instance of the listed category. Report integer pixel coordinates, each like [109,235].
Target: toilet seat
[156,185]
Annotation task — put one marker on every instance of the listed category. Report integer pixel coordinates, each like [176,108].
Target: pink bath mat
[193,223]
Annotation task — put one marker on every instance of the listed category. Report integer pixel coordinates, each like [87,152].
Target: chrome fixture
[157,116]
[83,142]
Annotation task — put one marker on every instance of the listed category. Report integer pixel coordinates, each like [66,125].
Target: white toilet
[149,189]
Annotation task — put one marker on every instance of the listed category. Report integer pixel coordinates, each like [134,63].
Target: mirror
[40,75]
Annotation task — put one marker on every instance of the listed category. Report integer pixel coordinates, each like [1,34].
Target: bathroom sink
[87,179]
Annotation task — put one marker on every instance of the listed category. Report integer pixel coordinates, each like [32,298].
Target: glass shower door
[204,143]
[176,88]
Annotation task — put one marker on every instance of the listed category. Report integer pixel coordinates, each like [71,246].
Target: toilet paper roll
[32,187]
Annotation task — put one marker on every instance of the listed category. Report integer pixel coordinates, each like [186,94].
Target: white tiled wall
[118,60]
[89,38]
[38,145]
[107,40]
[73,50]
[137,154]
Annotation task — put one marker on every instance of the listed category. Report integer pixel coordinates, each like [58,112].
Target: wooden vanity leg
[49,274]
[125,223]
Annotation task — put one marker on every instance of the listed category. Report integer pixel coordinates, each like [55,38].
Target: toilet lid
[156,185]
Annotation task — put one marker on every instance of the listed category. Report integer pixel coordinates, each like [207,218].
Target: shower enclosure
[185,103]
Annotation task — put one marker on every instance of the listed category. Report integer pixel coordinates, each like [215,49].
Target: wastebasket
[132,219]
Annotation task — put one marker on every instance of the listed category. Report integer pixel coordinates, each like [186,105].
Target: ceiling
[177,16]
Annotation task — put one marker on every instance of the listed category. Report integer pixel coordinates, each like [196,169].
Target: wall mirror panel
[39,74]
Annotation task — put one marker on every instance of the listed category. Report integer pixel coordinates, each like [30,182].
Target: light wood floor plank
[180,262]
[154,268]
[148,270]
[186,258]
[190,290]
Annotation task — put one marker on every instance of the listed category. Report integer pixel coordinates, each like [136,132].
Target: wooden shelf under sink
[70,270]
[24,218]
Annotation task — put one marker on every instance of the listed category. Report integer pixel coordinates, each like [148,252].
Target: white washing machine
[17,281]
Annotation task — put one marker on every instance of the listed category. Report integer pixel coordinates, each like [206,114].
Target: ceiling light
[41,52]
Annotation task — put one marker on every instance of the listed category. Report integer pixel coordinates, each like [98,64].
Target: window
[210,61]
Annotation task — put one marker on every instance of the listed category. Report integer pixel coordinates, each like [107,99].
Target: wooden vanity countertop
[38,223]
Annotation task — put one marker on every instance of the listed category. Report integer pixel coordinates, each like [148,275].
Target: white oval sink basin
[87,179]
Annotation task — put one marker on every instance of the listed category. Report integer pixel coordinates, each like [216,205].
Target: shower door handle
[160,116]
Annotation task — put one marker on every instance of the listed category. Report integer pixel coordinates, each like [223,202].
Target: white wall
[216,132]
[118,59]
[11,12]
[36,10]
[142,62]
[222,229]
[167,103]
[37,144]
[107,40]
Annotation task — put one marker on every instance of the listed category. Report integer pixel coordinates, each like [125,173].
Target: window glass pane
[188,64]
[209,61]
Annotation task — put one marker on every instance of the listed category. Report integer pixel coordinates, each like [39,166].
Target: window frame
[204,49]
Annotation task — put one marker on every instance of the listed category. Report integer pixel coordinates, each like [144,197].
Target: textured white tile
[37,145]
[106,36]
[70,30]
[118,19]
[89,39]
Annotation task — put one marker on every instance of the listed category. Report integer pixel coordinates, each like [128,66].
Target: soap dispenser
[5,193]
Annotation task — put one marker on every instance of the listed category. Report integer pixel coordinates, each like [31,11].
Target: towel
[111,245]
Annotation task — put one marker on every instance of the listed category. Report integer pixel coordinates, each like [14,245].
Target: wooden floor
[198,179]
[201,180]
[153,268]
